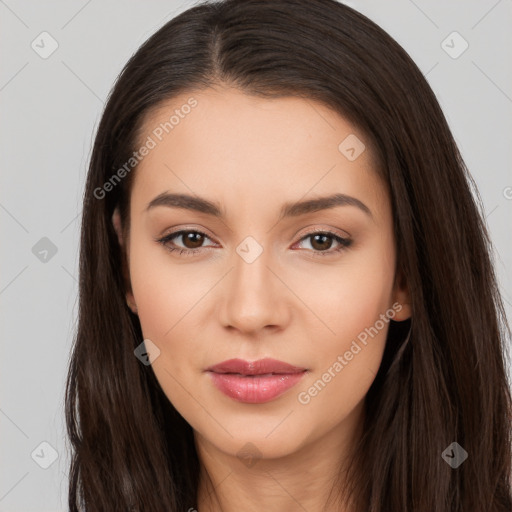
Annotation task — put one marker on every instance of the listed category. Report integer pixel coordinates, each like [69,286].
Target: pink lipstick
[255,382]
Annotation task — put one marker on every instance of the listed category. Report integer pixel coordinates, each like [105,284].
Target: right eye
[193,237]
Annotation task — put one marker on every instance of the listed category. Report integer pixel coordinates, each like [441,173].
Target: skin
[251,155]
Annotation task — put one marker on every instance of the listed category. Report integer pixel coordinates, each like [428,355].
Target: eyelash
[343,242]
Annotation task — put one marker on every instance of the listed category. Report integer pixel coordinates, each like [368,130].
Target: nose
[254,295]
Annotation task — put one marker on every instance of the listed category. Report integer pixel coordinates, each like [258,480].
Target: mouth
[255,376]
[266,366]
[255,382]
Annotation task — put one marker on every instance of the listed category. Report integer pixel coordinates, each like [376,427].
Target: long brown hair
[446,382]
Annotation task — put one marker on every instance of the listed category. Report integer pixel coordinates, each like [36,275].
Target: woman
[286,295]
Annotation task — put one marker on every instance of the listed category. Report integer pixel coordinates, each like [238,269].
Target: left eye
[321,242]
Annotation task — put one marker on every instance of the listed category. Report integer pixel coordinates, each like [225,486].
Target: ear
[118,227]
[116,222]
[402,297]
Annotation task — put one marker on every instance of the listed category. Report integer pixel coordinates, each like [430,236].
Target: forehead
[222,141]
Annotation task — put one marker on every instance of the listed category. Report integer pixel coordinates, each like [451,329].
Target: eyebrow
[294,209]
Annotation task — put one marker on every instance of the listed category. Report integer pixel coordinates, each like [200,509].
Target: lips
[259,367]
[257,381]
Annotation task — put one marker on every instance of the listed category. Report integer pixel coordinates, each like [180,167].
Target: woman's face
[257,281]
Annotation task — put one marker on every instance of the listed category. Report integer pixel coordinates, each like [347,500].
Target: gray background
[49,111]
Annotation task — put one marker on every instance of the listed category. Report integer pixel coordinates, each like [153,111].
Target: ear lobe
[402,297]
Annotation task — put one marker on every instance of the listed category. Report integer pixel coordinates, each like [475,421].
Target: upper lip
[259,367]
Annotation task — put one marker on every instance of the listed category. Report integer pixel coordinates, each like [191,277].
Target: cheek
[351,296]
[165,292]
[171,300]
[355,304]
[345,364]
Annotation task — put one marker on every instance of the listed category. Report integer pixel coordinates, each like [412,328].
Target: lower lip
[255,390]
